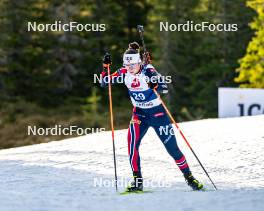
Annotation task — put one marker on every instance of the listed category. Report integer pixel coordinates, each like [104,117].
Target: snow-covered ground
[66,175]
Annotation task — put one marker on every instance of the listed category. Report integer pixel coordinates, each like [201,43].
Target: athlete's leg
[161,123]
[137,129]
[164,129]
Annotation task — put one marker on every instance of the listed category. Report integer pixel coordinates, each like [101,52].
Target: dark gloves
[107,60]
[160,88]
[153,85]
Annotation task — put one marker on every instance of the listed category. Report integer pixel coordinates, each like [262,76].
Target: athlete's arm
[116,77]
[157,81]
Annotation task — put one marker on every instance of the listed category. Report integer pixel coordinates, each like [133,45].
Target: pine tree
[200,62]
[3,52]
[251,70]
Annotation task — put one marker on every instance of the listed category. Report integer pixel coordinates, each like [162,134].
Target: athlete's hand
[162,88]
[107,60]
[153,85]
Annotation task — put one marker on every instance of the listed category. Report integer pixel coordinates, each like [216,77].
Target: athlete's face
[133,68]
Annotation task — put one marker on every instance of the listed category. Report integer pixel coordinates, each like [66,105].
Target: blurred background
[46,78]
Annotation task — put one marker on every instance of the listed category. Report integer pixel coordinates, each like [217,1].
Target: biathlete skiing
[141,80]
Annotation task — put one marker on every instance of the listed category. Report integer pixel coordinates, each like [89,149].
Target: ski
[135,192]
[201,190]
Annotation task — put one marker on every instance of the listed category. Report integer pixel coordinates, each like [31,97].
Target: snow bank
[65,175]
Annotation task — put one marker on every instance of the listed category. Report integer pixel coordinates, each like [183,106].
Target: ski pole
[112,121]
[183,136]
[141,30]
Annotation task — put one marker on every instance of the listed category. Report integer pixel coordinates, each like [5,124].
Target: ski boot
[192,182]
[137,184]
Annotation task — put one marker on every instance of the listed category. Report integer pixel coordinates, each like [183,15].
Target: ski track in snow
[61,175]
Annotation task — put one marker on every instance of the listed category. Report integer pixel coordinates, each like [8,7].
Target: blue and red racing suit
[147,112]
